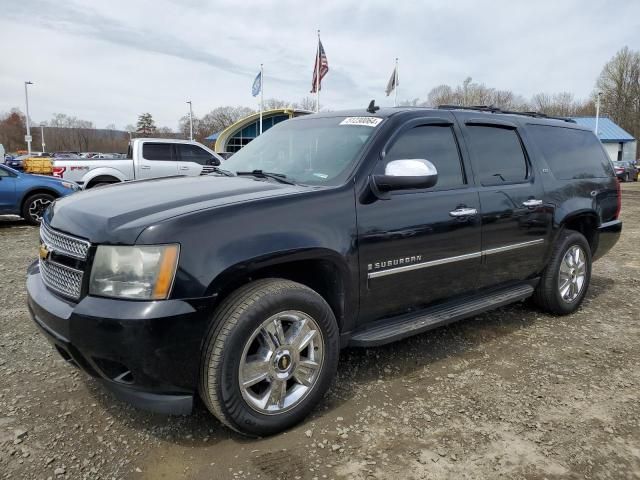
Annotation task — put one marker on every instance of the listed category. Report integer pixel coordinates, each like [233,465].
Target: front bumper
[608,235]
[146,352]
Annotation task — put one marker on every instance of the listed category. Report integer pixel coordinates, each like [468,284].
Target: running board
[391,330]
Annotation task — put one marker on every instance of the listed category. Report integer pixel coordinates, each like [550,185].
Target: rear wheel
[269,357]
[565,281]
[34,207]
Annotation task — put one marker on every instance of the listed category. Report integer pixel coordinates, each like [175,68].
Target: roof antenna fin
[372,108]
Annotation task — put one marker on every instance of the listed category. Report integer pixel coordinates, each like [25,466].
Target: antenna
[372,108]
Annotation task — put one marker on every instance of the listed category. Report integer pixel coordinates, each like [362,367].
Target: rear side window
[434,143]
[498,153]
[571,154]
[157,151]
[193,153]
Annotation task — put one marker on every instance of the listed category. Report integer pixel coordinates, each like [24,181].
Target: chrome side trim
[417,266]
[515,246]
[459,258]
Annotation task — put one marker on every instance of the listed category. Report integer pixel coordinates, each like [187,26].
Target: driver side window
[193,153]
[435,143]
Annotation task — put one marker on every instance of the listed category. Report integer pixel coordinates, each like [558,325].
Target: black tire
[101,184]
[547,295]
[34,206]
[234,322]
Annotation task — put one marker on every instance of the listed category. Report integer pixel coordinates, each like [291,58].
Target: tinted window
[193,153]
[571,153]
[434,143]
[4,173]
[157,151]
[499,155]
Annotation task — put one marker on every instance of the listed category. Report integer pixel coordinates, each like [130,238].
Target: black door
[420,246]
[516,223]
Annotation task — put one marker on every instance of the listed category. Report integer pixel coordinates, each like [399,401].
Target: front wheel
[270,355]
[34,207]
[565,281]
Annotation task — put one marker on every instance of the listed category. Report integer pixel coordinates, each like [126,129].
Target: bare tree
[619,83]
[13,128]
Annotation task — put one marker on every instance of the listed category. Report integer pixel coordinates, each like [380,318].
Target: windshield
[314,151]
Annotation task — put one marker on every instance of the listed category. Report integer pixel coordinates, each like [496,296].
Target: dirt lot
[512,394]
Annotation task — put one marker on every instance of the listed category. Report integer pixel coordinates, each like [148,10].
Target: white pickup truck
[146,158]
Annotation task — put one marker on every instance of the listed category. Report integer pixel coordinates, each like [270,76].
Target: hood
[119,213]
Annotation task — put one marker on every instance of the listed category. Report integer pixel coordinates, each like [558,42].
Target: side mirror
[214,161]
[406,175]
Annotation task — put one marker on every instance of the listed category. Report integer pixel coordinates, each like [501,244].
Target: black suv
[346,228]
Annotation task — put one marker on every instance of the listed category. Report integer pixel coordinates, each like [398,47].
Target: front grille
[64,280]
[64,244]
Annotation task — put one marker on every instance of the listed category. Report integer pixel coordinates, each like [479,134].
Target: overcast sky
[109,61]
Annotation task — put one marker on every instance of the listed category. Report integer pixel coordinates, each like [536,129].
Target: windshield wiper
[279,177]
[221,171]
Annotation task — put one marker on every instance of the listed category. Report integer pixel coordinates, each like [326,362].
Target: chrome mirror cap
[406,174]
[410,168]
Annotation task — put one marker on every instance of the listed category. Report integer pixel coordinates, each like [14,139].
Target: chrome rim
[37,208]
[573,273]
[281,362]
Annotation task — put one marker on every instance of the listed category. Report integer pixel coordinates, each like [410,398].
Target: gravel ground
[512,393]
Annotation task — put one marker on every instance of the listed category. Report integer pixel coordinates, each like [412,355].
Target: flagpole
[395,101]
[261,95]
[318,75]
[395,81]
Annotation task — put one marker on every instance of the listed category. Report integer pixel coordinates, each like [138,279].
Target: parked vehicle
[147,158]
[17,163]
[29,195]
[343,228]
[626,171]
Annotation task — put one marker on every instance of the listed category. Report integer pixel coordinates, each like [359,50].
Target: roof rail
[492,109]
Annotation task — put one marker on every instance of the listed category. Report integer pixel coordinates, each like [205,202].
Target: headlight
[69,185]
[141,272]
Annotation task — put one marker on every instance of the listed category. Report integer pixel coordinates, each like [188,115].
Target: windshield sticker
[324,176]
[363,121]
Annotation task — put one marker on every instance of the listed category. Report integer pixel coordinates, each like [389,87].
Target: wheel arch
[322,270]
[111,175]
[586,222]
[35,191]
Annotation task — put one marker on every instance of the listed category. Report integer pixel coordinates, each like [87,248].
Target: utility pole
[190,121]
[42,136]
[598,112]
[26,100]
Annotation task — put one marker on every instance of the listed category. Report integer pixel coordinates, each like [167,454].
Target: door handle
[463,212]
[532,203]
[184,168]
[145,167]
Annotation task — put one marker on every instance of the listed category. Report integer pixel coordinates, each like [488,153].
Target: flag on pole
[393,81]
[257,85]
[321,63]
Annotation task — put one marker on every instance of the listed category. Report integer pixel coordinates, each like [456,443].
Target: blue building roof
[608,131]
[213,137]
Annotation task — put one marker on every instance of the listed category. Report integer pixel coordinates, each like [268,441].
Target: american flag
[324,68]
